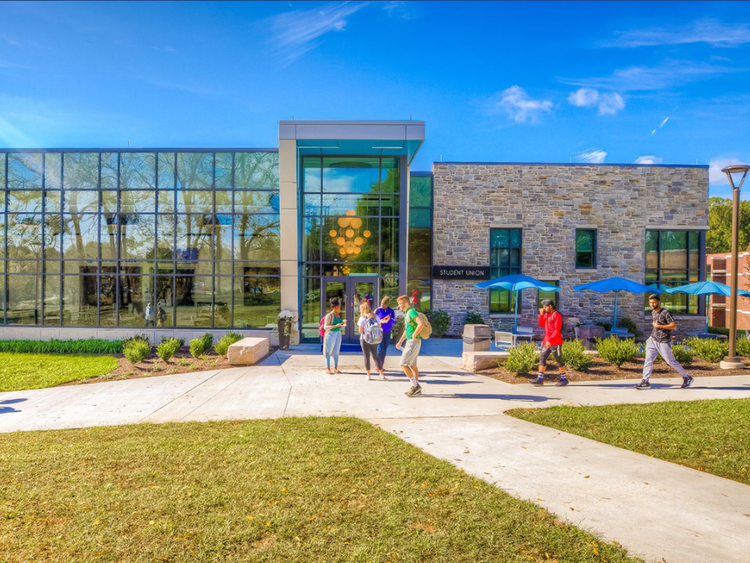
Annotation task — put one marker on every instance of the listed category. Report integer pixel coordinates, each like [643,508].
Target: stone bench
[477,361]
[248,351]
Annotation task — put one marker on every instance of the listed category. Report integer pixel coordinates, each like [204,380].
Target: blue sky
[554,82]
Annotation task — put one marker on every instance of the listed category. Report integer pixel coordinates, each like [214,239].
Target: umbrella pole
[515,318]
[708,310]
[614,323]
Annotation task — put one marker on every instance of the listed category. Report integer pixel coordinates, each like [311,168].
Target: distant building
[719,269]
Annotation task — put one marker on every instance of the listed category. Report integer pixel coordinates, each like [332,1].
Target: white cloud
[647,159]
[662,124]
[397,9]
[709,31]
[519,106]
[718,178]
[297,32]
[584,98]
[593,156]
[611,103]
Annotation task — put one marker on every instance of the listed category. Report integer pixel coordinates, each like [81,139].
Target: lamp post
[732,361]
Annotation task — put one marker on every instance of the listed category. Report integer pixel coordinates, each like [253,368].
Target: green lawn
[295,489]
[36,371]
[711,436]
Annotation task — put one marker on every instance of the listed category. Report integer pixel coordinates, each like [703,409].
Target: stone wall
[549,202]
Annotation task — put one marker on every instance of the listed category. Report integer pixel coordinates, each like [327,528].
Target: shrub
[522,359]
[742,346]
[682,354]
[574,356]
[227,340]
[136,338]
[199,346]
[87,346]
[711,350]
[136,350]
[180,340]
[617,351]
[473,318]
[440,321]
[167,348]
[605,325]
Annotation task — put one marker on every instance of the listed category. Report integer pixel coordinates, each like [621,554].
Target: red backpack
[321,325]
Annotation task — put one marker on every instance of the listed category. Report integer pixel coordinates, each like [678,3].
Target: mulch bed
[602,371]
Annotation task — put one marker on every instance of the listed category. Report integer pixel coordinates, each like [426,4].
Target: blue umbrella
[706,288]
[616,285]
[516,283]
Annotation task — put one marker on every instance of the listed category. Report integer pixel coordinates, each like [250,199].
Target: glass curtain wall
[419,286]
[350,225]
[140,239]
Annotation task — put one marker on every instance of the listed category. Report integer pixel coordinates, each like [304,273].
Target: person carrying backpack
[416,325]
[331,327]
[370,335]
[387,319]
[551,321]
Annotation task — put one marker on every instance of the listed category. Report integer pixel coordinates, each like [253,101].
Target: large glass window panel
[673,249]
[256,202]
[256,170]
[360,204]
[109,202]
[137,202]
[108,300]
[24,300]
[164,301]
[137,236]
[137,303]
[53,171]
[223,201]
[310,307]
[311,239]
[24,236]
[80,236]
[108,236]
[257,269]
[2,170]
[223,170]
[390,178]
[652,242]
[695,255]
[420,247]
[350,239]
[3,218]
[78,267]
[222,237]
[311,204]
[351,175]
[390,205]
[27,201]
[109,171]
[52,236]
[222,301]
[166,170]
[195,170]
[52,201]
[165,237]
[420,191]
[194,234]
[420,217]
[505,259]
[193,300]
[257,302]
[137,171]
[52,301]
[256,237]
[24,266]
[312,174]
[389,240]
[420,294]
[25,171]
[585,248]
[195,202]
[79,300]
[166,201]
[84,201]
[81,171]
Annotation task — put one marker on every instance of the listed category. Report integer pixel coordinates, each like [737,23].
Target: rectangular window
[673,259]
[505,260]
[586,248]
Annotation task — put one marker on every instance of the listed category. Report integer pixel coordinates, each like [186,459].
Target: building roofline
[572,164]
[355,122]
[144,149]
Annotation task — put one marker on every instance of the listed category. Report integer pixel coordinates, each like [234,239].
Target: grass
[711,436]
[295,489]
[36,371]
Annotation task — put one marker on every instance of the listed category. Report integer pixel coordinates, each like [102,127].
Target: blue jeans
[383,347]
[331,347]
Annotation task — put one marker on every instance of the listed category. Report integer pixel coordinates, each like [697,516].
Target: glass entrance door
[351,291]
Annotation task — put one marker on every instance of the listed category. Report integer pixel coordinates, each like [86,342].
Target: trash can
[477,338]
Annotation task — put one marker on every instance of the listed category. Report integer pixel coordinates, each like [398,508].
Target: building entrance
[351,291]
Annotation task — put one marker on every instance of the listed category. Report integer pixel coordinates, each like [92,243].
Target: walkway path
[658,510]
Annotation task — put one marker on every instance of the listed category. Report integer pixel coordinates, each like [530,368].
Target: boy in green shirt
[413,326]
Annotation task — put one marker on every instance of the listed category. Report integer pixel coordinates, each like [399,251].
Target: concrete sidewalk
[656,509]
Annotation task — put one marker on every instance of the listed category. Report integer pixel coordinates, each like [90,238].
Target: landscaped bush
[682,354]
[180,340]
[473,318]
[88,346]
[199,346]
[617,351]
[136,350]
[227,340]
[136,338]
[167,348]
[574,356]
[742,346]
[522,359]
[440,321]
[711,350]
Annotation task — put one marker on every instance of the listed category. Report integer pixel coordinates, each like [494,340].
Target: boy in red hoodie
[551,321]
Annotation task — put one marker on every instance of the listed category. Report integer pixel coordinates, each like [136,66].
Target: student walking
[332,325]
[413,326]
[370,335]
[387,319]
[660,344]
[551,321]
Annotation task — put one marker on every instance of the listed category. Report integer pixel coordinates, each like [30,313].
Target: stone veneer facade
[549,201]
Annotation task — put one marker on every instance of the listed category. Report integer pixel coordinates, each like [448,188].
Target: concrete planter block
[248,351]
[476,361]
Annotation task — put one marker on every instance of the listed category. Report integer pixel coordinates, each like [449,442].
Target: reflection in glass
[109,171]
[52,201]
[137,202]
[223,201]
[137,304]
[25,171]
[222,237]
[25,201]
[52,236]
[195,202]
[80,240]
[256,170]
[223,170]
[195,170]
[194,237]
[24,300]
[256,237]
[193,300]
[165,237]
[107,300]
[81,171]
[79,300]
[137,236]
[419,292]
[257,302]
[164,301]
[24,236]
[53,171]
[350,239]
[389,240]
[166,201]
[420,246]
[222,301]
[310,307]
[351,175]
[137,171]
[390,178]
[52,300]
[108,236]
[254,202]
[166,177]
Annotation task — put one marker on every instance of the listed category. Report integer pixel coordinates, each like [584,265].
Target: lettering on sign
[461,272]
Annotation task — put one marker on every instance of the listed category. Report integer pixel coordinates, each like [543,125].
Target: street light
[732,361]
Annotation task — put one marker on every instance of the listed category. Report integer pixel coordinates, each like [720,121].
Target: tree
[719,235]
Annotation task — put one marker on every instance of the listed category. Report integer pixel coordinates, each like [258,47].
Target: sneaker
[418,390]
[368,378]
[538,381]
[382,377]
[412,391]
[687,382]
[643,385]
[562,383]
